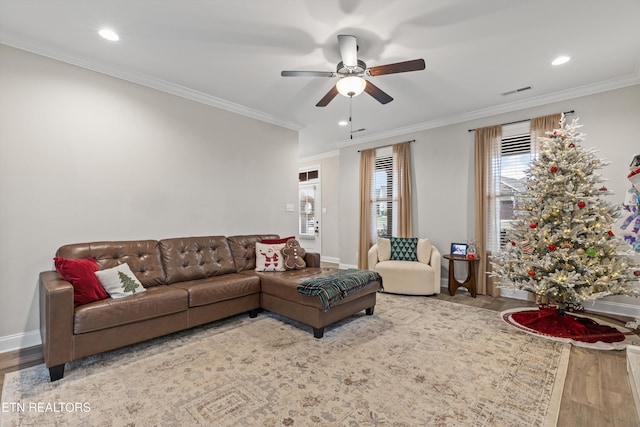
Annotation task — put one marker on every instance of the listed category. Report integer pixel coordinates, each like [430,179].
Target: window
[384,206]
[515,157]
[307,184]
[311,175]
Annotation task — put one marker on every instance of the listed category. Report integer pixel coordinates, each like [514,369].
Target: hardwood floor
[596,393]
[20,359]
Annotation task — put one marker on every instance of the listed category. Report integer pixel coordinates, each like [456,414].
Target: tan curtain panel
[367,168]
[539,126]
[402,192]
[487,191]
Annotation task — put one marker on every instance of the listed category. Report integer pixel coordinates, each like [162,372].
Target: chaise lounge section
[188,282]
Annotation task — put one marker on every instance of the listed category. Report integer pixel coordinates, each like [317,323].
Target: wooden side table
[470,282]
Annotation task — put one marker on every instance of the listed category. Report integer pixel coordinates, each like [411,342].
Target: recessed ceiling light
[343,122]
[109,34]
[560,60]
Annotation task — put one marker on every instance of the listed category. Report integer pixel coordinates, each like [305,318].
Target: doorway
[310,206]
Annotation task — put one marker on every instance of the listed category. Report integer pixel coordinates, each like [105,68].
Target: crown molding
[564,95]
[200,97]
[320,156]
[151,82]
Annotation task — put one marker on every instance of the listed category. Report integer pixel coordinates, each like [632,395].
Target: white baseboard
[20,341]
[346,266]
[610,307]
[330,259]
[508,293]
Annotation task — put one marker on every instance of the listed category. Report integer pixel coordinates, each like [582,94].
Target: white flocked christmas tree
[561,245]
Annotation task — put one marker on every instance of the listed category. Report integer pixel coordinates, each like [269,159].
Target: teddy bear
[293,255]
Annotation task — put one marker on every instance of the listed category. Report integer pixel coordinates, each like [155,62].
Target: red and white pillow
[120,281]
[269,256]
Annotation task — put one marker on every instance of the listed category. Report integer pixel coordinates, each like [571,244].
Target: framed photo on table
[459,249]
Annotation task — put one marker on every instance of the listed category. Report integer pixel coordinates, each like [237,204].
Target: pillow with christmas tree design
[119,281]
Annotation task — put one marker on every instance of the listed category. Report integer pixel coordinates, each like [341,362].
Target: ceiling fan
[351,71]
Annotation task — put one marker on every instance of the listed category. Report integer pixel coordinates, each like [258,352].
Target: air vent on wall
[511,92]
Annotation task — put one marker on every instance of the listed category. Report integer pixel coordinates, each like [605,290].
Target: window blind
[517,144]
[383,202]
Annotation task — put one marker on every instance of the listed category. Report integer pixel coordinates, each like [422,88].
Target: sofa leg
[56,372]
[318,332]
[369,311]
[253,313]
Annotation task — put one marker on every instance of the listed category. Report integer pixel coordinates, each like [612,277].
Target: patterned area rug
[416,361]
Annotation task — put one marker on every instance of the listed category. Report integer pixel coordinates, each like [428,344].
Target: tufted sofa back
[244,249]
[192,258]
[143,257]
[172,260]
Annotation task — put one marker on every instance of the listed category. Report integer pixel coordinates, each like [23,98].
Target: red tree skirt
[547,321]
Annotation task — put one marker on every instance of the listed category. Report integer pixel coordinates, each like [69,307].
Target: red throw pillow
[276,241]
[81,274]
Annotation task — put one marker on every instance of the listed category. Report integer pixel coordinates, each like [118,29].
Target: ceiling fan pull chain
[350,118]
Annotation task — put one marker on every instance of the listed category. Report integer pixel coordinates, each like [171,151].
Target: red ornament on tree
[533,225]
[513,243]
[603,188]
[554,169]
[572,145]
[552,247]
[610,233]
[531,272]
[581,204]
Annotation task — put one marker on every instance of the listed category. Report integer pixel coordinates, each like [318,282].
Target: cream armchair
[421,277]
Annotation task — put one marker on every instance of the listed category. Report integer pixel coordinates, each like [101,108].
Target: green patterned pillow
[404,248]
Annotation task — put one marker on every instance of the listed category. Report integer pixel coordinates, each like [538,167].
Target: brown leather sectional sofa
[189,282]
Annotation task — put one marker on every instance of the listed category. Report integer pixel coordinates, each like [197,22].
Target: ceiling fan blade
[328,97]
[348,50]
[381,96]
[398,67]
[308,74]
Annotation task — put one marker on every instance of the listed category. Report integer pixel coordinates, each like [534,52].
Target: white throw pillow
[269,257]
[424,251]
[384,249]
[119,281]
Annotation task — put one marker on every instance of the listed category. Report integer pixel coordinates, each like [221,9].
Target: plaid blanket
[337,286]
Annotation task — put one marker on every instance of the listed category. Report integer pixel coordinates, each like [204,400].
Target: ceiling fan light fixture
[560,60]
[351,86]
[109,34]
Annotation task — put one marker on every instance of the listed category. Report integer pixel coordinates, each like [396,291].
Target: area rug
[416,361]
[601,332]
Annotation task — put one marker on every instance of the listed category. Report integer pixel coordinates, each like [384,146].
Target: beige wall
[86,157]
[443,167]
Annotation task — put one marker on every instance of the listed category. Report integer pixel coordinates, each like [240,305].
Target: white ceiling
[229,53]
